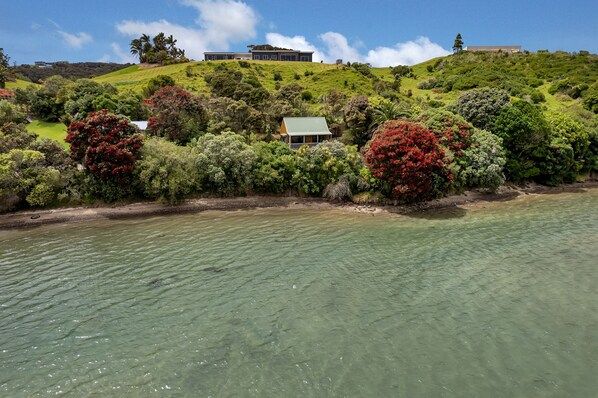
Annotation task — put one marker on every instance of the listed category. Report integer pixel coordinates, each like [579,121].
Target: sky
[380,32]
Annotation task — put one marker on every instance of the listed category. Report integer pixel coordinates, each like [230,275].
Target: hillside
[76,70]
[557,80]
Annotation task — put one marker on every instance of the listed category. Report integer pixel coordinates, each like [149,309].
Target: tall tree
[458,45]
[4,70]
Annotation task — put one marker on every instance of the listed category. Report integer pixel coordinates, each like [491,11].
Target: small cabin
[299,131]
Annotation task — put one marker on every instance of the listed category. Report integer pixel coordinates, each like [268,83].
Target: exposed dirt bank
[25,219]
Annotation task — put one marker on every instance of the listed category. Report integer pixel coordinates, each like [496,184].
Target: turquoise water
[498,299]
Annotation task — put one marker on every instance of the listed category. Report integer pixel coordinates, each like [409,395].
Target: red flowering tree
[408,160]
[177,115]
[107,145]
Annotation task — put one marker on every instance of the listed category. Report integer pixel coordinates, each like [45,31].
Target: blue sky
[382,32]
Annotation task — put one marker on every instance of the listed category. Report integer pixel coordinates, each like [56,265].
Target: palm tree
[146,47]
[385,112]
[137,48]
[171,46]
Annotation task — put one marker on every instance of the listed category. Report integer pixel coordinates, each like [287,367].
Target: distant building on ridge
[263,52]
[504,49]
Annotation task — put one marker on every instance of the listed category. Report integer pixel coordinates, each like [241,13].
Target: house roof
[304,126]
[141,124]
[6,93]
[492,48]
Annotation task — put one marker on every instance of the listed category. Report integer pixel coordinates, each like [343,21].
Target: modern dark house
[282,55]
[263,53]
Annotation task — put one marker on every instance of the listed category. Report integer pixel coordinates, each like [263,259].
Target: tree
[24,177]
[481,106]
[224,162]
[324,164]
[156,83]
[107,146]
[408,161]
[387,111]
[458,44]
[275,165]
[526,136]
[177,115]
[485,161]
[5,73]
[358,118]
[159,50]
[166,171]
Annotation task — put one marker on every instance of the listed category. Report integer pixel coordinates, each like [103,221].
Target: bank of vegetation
[401,134]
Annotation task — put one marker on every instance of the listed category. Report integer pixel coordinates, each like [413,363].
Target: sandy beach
[33,218]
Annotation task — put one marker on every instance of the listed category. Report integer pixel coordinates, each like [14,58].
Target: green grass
[518,73]
[19,84]
[55,131]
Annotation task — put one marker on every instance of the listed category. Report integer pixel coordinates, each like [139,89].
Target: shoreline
[35,218]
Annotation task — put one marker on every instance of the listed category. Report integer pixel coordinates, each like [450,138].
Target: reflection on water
[496,300]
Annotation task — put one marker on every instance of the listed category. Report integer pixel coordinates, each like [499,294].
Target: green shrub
[481,106]
[325,164]
[485,161]
[224,163]
[275,165]
[166,171]
[306,95]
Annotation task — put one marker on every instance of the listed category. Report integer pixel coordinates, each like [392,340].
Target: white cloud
[408,53]
[336,46]
[75,40]
[122,56]
[220,23]
[296,43]
[223,21]
[104,58]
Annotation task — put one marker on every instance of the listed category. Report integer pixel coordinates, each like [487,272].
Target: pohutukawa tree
[176,115]
[106,145]
[408,161]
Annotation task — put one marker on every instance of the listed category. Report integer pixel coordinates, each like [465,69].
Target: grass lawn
[55,131]
[19,84]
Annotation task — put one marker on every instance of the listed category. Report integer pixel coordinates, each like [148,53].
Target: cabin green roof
[305,126]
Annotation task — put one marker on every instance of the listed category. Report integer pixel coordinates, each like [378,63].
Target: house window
[304,58]
[273,58]
[297,139]
[256,57]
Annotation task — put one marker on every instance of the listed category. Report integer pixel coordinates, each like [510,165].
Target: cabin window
[297,139]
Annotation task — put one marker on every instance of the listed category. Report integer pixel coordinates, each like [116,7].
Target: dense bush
[324,164]
[481,106]
[25,177]
[358,117]
[166,171]
[526,135]
[484,161]
[408,161]
[176,115]
[156,83]
[275,165]
[454,136]
[224,163]
[569,131]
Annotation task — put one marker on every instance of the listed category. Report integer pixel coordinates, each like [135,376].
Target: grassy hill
[557,80]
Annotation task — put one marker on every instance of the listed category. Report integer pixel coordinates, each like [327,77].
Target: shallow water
[500,299]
